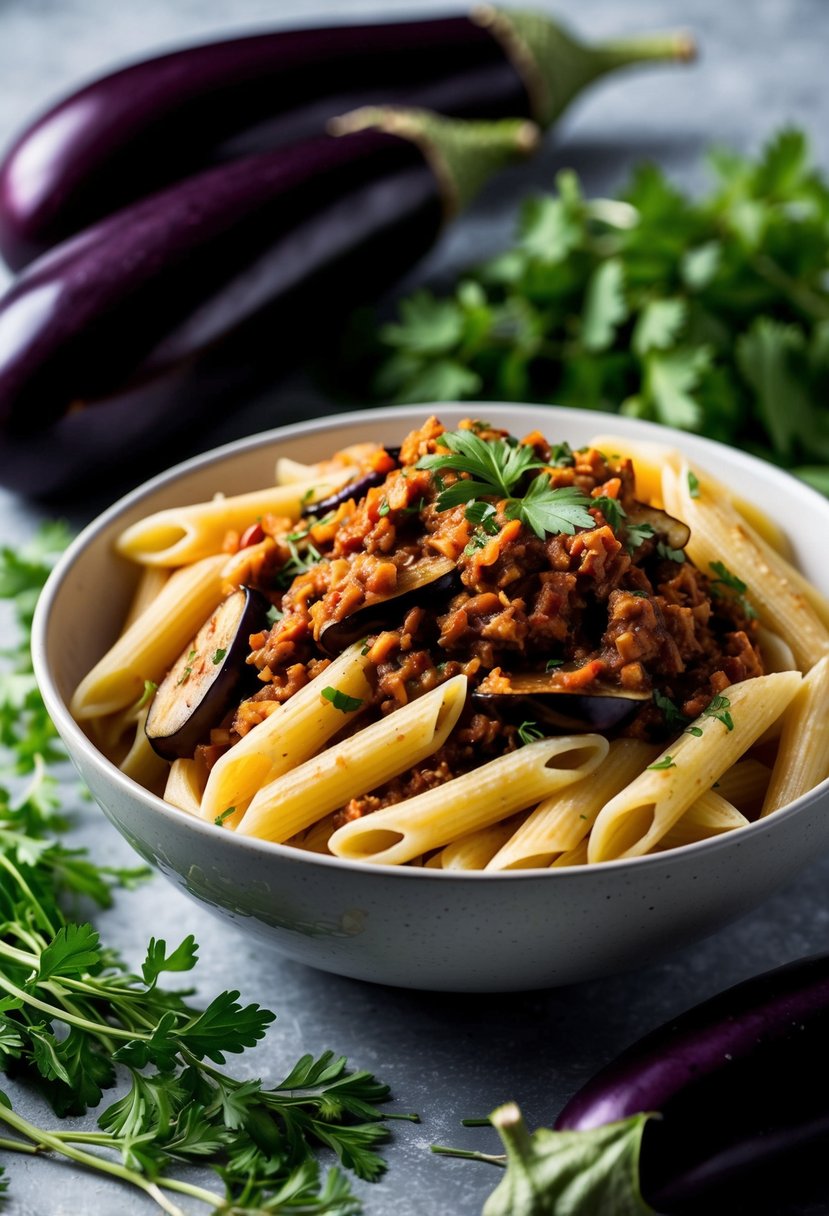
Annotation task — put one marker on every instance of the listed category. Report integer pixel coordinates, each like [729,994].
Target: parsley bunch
[707,314]
[75,1021]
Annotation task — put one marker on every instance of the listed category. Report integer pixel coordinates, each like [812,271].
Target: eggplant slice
[354,489]
[538,696]
[201,685]
[431,579]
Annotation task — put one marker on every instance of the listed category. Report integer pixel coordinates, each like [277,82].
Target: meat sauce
[607,607]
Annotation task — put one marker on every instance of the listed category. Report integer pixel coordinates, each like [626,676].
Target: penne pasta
[718,530]
[141,762]
[364,761]
[150,584]
[180,535]
[710,815]
[573,857]
[745,784]
[803,755]
[152,643]
[636,820]
[472,852]
[560,823]
[185,785]
[287,737]
[476,800]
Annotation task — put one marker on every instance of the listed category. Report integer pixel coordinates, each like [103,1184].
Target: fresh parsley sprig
[495,469]
[74,1020]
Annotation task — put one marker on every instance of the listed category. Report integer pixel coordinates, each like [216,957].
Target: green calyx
[570,1173]
[462,154]
[555,66]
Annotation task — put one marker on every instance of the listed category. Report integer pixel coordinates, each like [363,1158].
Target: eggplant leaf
[568,1173]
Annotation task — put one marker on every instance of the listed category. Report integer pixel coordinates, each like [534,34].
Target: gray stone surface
[762,65]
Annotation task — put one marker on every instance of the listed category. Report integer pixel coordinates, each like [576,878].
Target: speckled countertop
[763,65]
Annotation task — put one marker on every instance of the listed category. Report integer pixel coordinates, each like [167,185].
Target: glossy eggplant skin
[255,253]
[741,1087]
[139,129]
[201,686]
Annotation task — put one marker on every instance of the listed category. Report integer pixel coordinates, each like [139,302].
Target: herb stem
[45,1139]
[62,1015]
[28,893]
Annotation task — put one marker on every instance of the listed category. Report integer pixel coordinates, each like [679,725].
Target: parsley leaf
[665,762]
[495,466]
[549,511]
[530,732]
[341,700]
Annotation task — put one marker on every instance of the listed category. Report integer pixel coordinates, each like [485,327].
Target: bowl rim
[69,729]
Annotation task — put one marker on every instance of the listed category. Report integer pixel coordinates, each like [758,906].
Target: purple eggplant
[739,1086]
[355,489]
[544,698]
[203,682]
[145,126]
[254,255]
[431,580]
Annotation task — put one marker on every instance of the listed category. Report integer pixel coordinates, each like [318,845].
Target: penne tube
[649,459]
[718,531]
[180,535]
[573,857]
[315,838]
[710,815]
[185,785]
[141,763]
[361,763]
[475,800]
[287,737]
[745,784]
[473,851]
[151,645]
[636,820]
[776,652]
[149,587]
[803,755]
[561,822]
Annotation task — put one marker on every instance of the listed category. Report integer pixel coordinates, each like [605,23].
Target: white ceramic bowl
[412,927]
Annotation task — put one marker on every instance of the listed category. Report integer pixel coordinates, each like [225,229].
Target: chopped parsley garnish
[218,655]
[640,595]
[637,534]
[191,656]
[693,484]
[185,676]
[384,507]
[530,732]
[299,561]
[274,614]
[727,583]
[611,509]
[341,700]
[718,708]
[496,470]
[669,554]
[674,718]
[149,692]
[696,731]
[561,455]
[665,762]
[482,513]
[225,814]
[551,664]
[366,646]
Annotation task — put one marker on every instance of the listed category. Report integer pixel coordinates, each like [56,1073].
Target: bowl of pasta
[476,697]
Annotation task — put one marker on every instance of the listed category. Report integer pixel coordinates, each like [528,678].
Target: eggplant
[542,697]
[267,247]
[431,579]
[355,489]
[667,528]
[139,129]
[740,1087]
[207,677]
